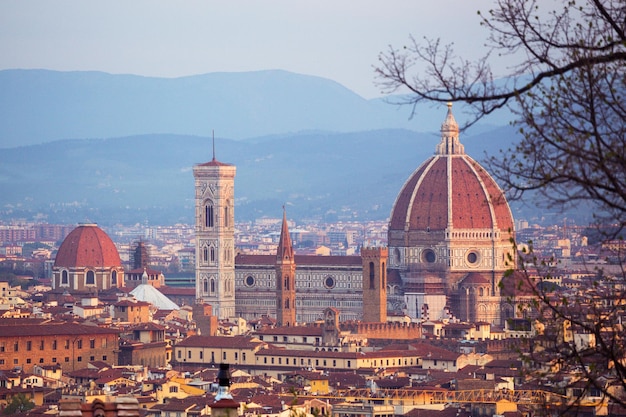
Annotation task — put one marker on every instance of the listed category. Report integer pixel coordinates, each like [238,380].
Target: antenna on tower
[213,134]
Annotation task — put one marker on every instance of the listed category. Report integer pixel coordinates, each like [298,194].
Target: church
[449,245]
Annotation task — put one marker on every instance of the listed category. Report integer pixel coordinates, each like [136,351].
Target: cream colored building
[236,350]
[261,358]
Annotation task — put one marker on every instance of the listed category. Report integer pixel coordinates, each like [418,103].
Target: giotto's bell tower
[215,237]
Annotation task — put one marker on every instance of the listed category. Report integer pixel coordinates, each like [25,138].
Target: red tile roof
[215,163]
[292,331]
[243,342]
[428,351]
[89,246]
[476,278]
[166,290]
[51,329]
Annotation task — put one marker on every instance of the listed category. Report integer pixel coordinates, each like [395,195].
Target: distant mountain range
[38,106]
[89,146]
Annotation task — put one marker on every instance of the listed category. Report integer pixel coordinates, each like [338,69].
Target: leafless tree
[567,89]
[566,86]
[577,348]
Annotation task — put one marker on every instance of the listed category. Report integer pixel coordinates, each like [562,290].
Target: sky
[335,39]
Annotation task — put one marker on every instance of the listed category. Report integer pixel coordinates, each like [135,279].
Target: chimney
[224,405]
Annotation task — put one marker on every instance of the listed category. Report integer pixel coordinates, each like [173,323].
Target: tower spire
[285,248]
[213,135]
[285,278]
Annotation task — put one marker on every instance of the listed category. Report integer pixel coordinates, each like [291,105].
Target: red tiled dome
[88,246]
[450,191]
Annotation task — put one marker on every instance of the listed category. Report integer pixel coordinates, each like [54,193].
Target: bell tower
[215,236]
[285,278]
[374,284]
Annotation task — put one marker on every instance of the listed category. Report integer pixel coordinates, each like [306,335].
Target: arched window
[212,254]
[287,282]
[64,278]
[480,291]
[205,254]
[205,286]
[90,279]
[507,311]
[212,285]
[208,215]
[372,285]
[287,303]
[114,278]
[226,214]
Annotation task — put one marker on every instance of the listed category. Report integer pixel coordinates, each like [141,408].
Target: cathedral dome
[87,246]
[451,221]
[451,191]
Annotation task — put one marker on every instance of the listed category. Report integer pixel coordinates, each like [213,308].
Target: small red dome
[87,246]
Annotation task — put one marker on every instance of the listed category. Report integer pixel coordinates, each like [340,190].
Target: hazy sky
[334,39]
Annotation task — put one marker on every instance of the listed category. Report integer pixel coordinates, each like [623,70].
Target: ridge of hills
[38,106]
[148,178]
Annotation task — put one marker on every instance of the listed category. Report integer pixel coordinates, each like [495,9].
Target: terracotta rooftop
[167,290]
[89,246]
[428,351]
[476,278]
[51,329]
[215,163]
[292,331]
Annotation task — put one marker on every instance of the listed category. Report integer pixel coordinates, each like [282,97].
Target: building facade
[320,282]
[449,246]
[261,358]
[87,261]
[215,239]
[26,343]
[374,284]
[449,237]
